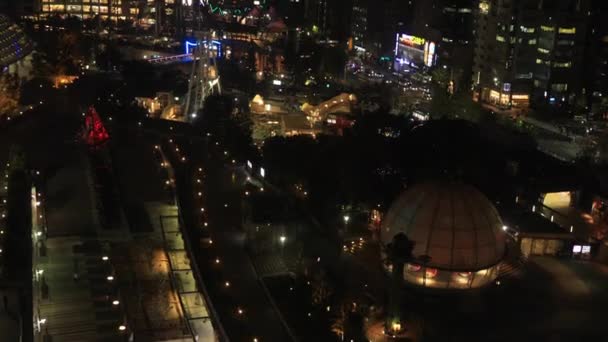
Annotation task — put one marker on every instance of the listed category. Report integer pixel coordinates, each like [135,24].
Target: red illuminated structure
[94,133]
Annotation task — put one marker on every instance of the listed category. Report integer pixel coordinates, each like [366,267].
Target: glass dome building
[457,232]
[14,45]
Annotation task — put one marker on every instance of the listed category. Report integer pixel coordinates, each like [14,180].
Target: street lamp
[346,219]
[282,239]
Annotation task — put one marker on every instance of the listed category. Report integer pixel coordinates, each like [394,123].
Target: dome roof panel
[453,223]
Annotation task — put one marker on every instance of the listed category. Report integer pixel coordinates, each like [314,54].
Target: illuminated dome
[453,224]
[14,45]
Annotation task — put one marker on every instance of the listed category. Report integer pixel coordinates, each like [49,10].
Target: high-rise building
[144,12]
[358,24]
[530,52]
[315,14]
[450,25]
[386,18]
[596,73]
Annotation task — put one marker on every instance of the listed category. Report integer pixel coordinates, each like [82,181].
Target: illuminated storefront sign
[413,41]
[413,51]
[429,54]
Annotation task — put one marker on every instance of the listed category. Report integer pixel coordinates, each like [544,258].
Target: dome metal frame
[451,222]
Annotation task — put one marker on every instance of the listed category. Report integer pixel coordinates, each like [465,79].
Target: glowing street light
[122,328]
[105,258]
[115,302]
[110,278]
[282,239]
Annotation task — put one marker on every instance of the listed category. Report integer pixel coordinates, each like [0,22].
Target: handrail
[214,316]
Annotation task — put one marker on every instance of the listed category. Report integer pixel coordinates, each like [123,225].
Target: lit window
[541,50]
[484,7]
[562,64]
[500,38]
[547,28]
[532,42]
[560,87]
[563,42]
[527,29]
[567,30]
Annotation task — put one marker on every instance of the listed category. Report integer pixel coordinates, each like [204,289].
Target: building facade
[530,52]
[596,74]
[146,12]
[358,25]
[14,47]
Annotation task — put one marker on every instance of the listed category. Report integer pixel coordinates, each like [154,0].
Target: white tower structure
[204,77]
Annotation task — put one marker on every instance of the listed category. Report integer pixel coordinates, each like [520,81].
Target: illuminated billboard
[413,51]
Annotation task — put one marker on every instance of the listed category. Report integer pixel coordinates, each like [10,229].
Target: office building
[530,52]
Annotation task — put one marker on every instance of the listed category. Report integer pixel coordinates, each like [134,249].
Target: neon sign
[414,41]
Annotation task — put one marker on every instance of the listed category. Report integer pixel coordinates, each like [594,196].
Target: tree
[441,104]
[17,158]
[234,129]
[333,60]
[399,251]
[9,94]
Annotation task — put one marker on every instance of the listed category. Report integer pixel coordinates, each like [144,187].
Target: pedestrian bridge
[183,58]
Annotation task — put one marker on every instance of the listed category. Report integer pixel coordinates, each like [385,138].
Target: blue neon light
[190,45]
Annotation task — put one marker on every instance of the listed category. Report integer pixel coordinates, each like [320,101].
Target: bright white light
[110,278]
[504,228]
[105,258]
[122,328]
[116,302]
[282,238]
[346,218]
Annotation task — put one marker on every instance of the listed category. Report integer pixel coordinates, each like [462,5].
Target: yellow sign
[411,40]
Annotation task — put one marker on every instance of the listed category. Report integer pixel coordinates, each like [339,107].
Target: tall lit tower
[204,77]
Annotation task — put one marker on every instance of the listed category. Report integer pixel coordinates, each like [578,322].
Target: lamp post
[346,218]
[282,239]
